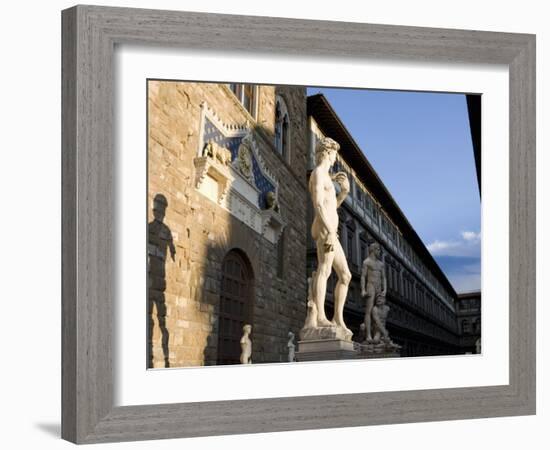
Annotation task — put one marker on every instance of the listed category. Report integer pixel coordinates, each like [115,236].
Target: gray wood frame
[89,36]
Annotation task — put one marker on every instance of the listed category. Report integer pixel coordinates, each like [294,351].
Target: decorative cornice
[229,130]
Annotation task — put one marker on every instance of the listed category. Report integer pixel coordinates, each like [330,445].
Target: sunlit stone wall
[191,235]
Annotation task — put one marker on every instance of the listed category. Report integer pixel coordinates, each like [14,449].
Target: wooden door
[235,306]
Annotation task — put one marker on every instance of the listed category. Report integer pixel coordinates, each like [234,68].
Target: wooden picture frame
[89,37]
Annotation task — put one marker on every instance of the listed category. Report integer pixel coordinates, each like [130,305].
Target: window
[465,326]
[282,128]
[363,250]
[375,212]
[246,94]
[420,297]
[350,244]
[391,231]
[369,205]
[399,280]
[477,326]
[359,195]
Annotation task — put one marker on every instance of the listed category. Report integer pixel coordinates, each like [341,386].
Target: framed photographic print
[264,229]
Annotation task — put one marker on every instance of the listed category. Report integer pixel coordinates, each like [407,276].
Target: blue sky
[419,143]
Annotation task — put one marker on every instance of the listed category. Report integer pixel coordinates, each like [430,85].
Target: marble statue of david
[324,231]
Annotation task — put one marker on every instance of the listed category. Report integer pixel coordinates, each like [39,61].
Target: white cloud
[469,244]
[471,236]
[464,275]
[439,247]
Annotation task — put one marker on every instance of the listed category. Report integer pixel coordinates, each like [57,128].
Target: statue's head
[270,199]
[380,300]
[247,329]
[375,249]
[326,148]
[159,207]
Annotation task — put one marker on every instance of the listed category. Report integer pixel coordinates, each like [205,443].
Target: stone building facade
[226,221]
[422,318]
[468,315]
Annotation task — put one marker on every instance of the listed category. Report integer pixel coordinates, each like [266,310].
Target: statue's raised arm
[342,179]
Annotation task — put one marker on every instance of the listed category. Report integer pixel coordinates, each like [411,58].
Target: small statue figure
[246,345]
[478,346]
[373,285]
[215,151]
[271,201]
[208,150]
[223,155]
[379,315]
[291,347]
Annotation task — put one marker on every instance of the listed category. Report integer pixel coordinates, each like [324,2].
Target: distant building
[468,316]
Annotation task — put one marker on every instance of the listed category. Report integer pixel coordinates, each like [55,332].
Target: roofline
[395,212]
[469,294]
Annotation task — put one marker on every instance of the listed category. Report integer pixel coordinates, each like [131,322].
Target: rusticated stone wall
[191,235]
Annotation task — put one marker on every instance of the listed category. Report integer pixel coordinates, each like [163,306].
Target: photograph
[281,222]
[288,224]
[275,225]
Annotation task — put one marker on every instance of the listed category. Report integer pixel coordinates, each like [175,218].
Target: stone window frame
[476,325]
[351,243]
[279,143]
[421,295]
[389,275]
[238,93]
[363,246]
[400,288]
[359,195]
[465,326]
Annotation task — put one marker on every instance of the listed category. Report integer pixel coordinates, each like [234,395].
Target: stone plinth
[381,350]
[322,333]
[325,350]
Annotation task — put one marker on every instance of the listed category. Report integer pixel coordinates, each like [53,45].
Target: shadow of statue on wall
[159,244]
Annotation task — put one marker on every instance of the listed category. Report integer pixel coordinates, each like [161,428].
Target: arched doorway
[236,291]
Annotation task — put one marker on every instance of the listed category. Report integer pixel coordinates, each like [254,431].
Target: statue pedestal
[381,350]
[325,344]
[325,333]
[325,350]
